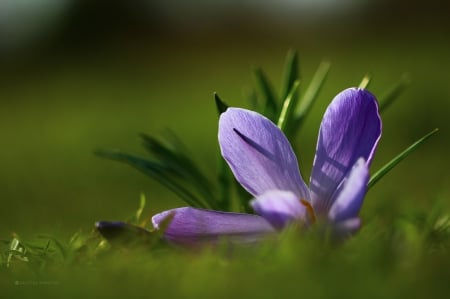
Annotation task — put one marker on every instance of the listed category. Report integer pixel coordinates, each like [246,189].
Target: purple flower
[263,162]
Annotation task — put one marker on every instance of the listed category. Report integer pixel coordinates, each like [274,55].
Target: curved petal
[346,227]
[350,129]
[349,199]
[191,226]
[279,208]
[259,154]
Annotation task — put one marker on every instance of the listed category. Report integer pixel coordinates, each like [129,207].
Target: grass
[389,258]
[53,120]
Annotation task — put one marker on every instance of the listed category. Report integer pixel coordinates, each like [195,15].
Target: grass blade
[177,162]
[221,105]
[365,81]
[394,92]
[291,74]
[61,248]
[311,93]
[270,105]
[142,202]
[288,107]
[155,171]
[390,165]
[224,174]
[224,180]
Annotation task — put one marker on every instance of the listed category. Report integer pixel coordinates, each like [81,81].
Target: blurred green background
[82,75]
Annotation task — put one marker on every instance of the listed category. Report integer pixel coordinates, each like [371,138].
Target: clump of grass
[407,256]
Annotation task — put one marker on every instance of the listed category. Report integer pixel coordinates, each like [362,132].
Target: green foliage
[174,168]
[291,75]
[405,256]
[365,82]
[400,157]
[221,105]
[388,98]
[309,97]
[161,171]
[270,104]
[287,109]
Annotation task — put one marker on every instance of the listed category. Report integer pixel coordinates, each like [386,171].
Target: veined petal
[350,197]
[259,154]
[350,129]
[190,226]
[279,208]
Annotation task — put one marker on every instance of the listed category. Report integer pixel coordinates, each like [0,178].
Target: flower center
[309,210]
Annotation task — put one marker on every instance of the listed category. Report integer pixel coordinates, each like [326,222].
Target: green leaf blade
[156,171]
[365,81]
[270,104]
[291,74]
[311,94]
[394,92]
[224,180]
[176,161]
[400,157]
[220,105]
[287,110]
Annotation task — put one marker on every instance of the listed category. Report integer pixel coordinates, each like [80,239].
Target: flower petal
[346,227]
[350,197]
[350,129]
[279,208]
[191,226]
[259,154]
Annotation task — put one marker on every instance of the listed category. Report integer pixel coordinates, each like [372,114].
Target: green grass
[389,258]
[53,119]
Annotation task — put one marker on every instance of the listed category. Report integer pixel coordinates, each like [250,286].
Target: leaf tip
[220,104]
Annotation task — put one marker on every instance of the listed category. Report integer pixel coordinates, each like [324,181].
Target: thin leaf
[13,249]
[224,174]
[288,107]
[270,105]
[243,197]
[291,74]
[311,93]
[177,162]
[142,202]
[62,249]
[365,81]
[391,164]
[157,172]
[221,105]
[252,98]
[224,179]
[394,92]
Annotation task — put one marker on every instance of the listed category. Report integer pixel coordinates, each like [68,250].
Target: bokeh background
[79,75]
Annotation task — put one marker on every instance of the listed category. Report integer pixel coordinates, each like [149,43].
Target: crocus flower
[263,162]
